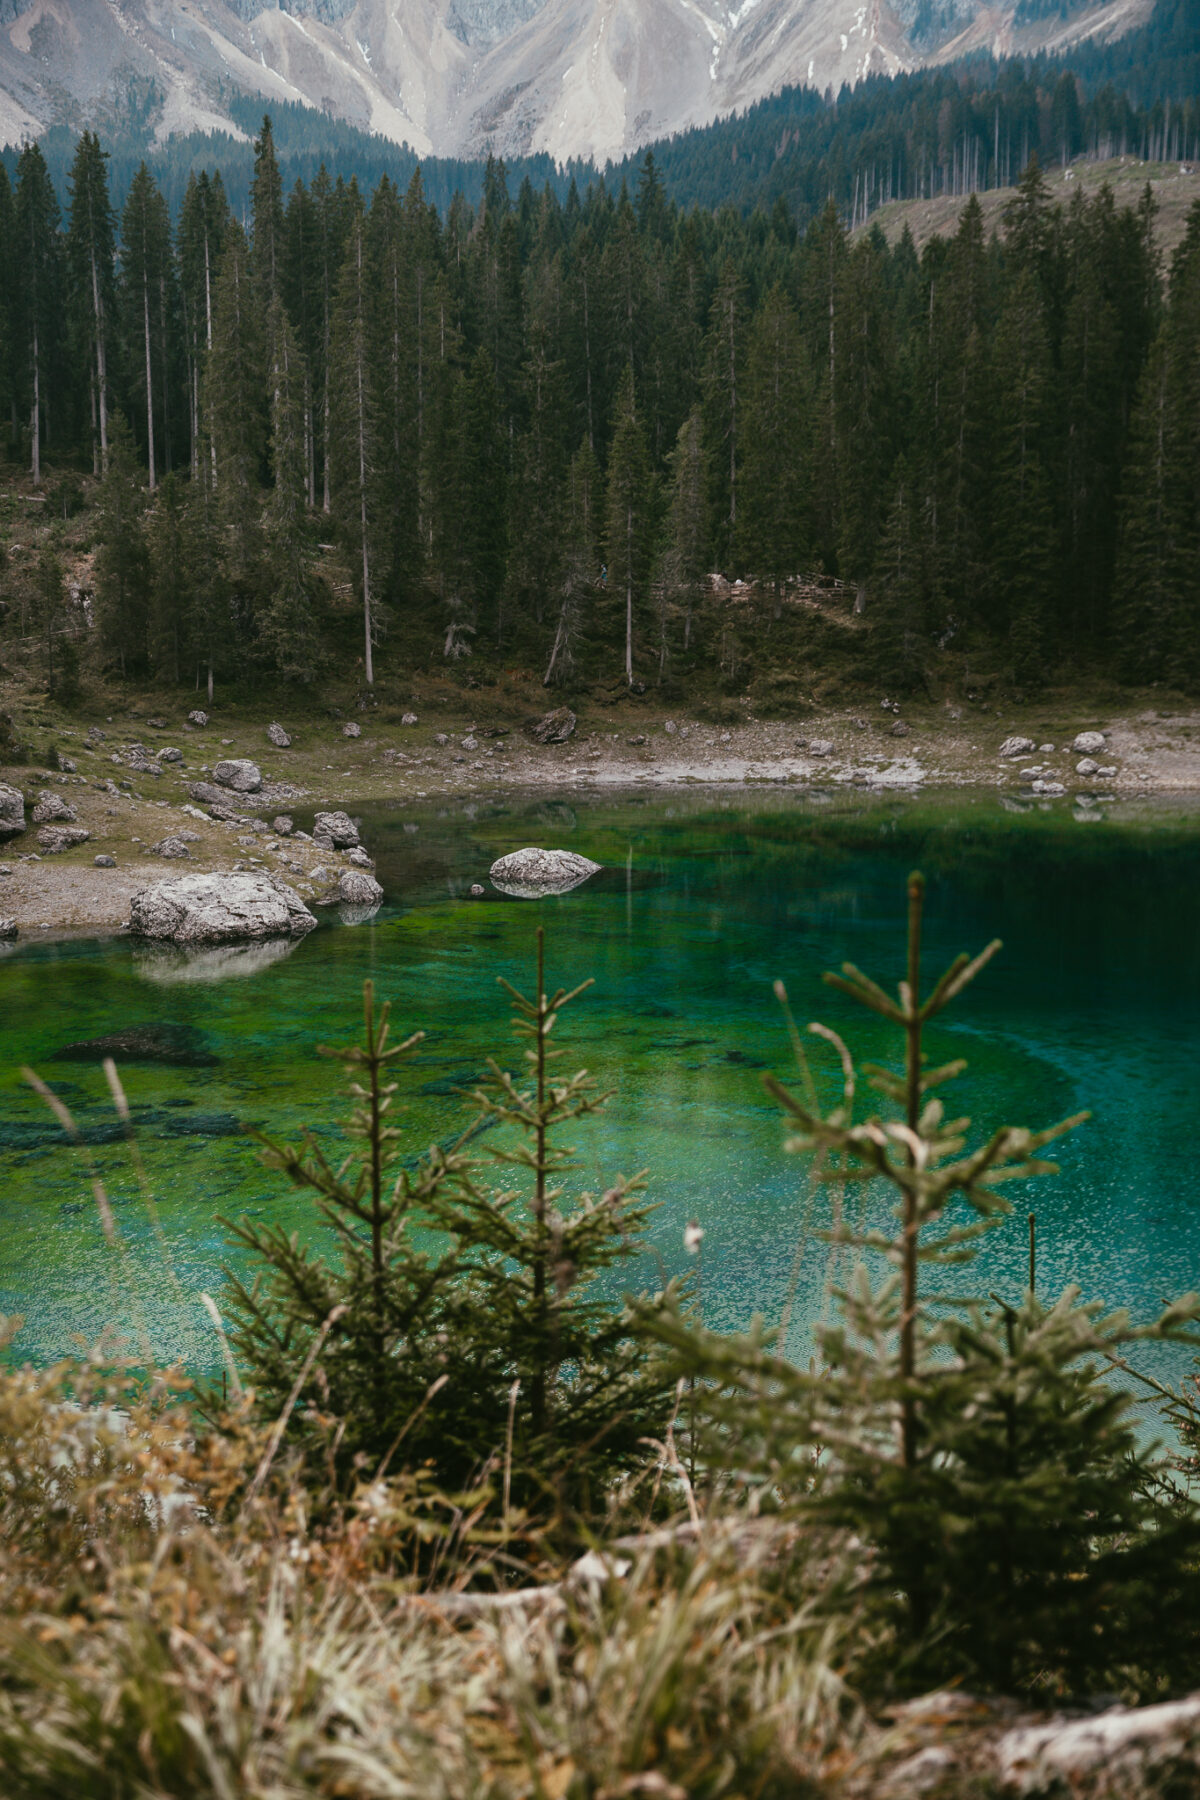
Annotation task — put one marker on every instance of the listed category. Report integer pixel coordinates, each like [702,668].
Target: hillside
[1175,186]
[568,78]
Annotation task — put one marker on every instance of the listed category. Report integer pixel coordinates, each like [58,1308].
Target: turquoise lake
[704,901]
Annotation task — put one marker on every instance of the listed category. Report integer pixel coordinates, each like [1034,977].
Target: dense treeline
[971,125]
[534,428]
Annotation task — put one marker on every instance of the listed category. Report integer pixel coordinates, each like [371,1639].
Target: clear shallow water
[703,903]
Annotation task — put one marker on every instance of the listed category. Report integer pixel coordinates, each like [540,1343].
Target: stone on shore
[357,888]
[12,811]
[554,727]
[238,773]
[820,747]
[56,838]
[219,909]
[337,827]
[52,806]
[1089,743]
[279,737]
[527,873]
[8,928]
[1016,746]
[1087,765]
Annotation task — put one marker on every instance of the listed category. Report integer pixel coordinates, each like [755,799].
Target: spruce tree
[290,636]
[629,512]
[37,296]
[91,251]
[582,518]
[1012,1529]
[146,271]
[354,420]
[122,571]
[773,531]
[687,559]
[235,417]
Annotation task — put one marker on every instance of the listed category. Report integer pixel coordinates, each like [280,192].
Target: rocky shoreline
[135,802]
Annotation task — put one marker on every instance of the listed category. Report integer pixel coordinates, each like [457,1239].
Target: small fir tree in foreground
[458,1325]
[1018,1533]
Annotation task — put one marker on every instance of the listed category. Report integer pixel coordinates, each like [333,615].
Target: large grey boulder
[529,873]
[357,888]
[338,827]
[198,718]
[56,838]
[238,773]
[1089,743]
[1016,746]
[554,727]
[279,737]
[170,754]
[50,806]
[219,909]
[12,810]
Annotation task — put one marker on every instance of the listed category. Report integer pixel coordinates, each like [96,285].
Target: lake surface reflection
[701,905]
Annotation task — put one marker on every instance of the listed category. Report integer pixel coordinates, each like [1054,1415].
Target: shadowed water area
[701,905]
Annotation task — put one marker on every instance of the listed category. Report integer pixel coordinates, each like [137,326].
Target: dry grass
[163,1638]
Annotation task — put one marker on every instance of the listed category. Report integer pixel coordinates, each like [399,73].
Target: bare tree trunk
[149,377]
[101,365]
[35,418]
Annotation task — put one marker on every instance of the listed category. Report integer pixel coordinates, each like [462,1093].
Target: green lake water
[704,901]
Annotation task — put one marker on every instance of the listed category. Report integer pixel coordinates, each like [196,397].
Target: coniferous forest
[528,431]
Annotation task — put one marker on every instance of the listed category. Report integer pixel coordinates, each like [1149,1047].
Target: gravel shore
[127,810]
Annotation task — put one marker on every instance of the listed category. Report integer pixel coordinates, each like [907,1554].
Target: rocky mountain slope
[574,78]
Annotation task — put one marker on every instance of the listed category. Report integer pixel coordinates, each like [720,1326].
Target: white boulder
[219,909]
[50,806]
[358,888]
[1016,746]
[238,773]
[279,737]
[1089,743]
[337,828]
[12,810]
[528,873]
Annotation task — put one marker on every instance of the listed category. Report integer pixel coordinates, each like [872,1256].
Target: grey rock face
[238,773]
[197,718]
[352,730]
[1016,746]
[1089,743]
[279,737]
[337,827]
[12,810]
[170,754]
[357,888]
[52,806]
[219,909]
[530,872]
[554,727]
[282,824]
[170,846]
[56,838]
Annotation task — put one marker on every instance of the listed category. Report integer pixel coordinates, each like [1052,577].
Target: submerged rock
[181,1046]
[238,773]
[531,872]
[215,909]
[12,810]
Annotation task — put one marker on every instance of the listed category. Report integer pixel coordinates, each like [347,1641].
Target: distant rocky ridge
[572,78]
